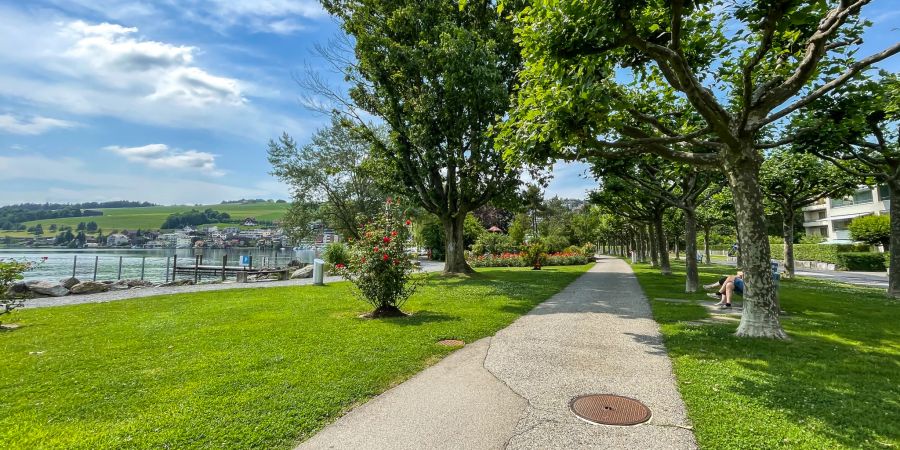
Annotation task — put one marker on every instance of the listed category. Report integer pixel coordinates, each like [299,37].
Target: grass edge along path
[261,368]
[835,384]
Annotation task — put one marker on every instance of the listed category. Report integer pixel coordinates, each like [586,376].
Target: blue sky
[174,101]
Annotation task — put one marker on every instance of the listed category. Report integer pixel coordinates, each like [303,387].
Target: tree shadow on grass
[420,317]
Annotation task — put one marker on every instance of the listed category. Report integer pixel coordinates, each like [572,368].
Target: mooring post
[250,262]
[143,264]
[96,262]
[196,269]
[174,266]
[168,258]
[119,277]
[224,261]
[74,265]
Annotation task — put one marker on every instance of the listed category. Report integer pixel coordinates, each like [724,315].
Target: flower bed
[520,260]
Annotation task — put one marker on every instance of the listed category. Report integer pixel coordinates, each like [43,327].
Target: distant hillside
[151,218]
[14,216]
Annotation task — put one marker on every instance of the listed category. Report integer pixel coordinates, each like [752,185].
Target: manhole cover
[452,343]
[610,409]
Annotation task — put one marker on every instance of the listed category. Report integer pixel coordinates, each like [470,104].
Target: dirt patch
[9,326]
[451,343]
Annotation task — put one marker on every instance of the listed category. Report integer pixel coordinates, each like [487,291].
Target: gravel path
[513,390]
[103,297]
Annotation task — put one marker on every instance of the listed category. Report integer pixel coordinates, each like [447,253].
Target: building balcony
[816,223]
[816,207]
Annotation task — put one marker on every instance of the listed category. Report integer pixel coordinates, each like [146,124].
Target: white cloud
[104,185]
[264,16]
[160,156]
[33,126]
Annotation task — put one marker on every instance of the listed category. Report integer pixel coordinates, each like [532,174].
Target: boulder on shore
[69,282]
[120,285]
[303,272]
[18,288]
[47,288]
[138,283]
[89,287]
[184,282]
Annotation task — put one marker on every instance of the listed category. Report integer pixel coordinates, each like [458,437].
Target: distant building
[250,222]
[231,231]
[115,240]
[830,218]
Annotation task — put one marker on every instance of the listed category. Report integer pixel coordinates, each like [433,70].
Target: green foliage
[827,253]
[429,233]
[182,219]
[291,361]
[874,230]
[11,271]
[493,244]
[791,180]
[379,265]
[535,253]
[336,253]
[472,230]
[862,261]
[332,178]
[811,239]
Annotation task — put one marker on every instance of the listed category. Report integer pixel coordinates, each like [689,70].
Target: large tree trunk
[677,249]
[706,244]
[760,314]
[665,267]
[455,251]
[692,276]
[787,229]
[894,247]
[654,251]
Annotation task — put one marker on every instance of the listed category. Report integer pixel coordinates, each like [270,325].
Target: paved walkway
[103,297]
[513,390]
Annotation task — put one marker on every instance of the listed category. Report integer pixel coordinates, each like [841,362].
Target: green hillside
[150,218]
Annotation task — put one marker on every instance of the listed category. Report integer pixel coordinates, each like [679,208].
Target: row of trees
[671,103]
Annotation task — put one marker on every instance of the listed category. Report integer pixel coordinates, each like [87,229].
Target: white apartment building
[830,217]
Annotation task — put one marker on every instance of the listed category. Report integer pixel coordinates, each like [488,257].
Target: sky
[174,101]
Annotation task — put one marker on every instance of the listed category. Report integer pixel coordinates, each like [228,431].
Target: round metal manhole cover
[451,343]
[610,409]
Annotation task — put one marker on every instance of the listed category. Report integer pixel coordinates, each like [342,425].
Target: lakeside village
[250,234]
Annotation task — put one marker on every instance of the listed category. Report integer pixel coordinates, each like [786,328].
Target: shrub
[535,253]
[11,271]
[868,261]
[566,259]
[811,239]
[501,260]
[379,266]
[827,253]
[874,230]
[336,253]
[493,244]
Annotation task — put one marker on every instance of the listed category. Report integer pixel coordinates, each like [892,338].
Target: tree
[857,131]
[533,201]
[791,181]
[688,81]
[519,228]
[331,178]
[716,211]
[439,75]
[873,230]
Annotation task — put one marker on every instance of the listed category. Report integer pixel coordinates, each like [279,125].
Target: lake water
[60,262]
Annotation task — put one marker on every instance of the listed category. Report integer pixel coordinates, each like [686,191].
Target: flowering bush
[378,263]
[536,254]
[522,260]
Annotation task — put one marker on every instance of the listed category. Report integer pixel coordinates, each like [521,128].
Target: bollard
[174,266]
[143,264]
[119,277]
[168,258]
[224,262]
[96,262]
[318,272]
[74,265]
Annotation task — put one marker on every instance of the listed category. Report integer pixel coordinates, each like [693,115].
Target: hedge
[864,261]
[827,253]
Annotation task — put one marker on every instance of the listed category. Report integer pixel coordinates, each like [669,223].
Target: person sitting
[727,287]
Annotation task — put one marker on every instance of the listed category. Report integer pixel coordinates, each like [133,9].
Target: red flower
[338,266]
[394,233]
[408,222]
[363,260]
[375,249]
[386,240]
[385,257]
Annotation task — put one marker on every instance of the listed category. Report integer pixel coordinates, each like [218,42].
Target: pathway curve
[513,390]
[110,296]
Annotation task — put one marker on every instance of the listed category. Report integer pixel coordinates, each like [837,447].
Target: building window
[859,197]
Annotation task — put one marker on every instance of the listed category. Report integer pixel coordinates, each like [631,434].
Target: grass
[150,218]
[835,384]
[254,368]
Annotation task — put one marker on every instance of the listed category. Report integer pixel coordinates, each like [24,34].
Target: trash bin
[318,272]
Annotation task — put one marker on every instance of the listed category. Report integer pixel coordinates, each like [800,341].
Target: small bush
[535,253]
[827,253]
[875,230]
[866,262]
[379,265]
[11,271]
[336,253]
[493,244]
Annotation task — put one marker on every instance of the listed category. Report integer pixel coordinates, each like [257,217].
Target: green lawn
[835,384]
[150,218]
[259,368]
